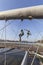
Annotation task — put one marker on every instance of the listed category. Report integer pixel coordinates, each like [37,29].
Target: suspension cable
[2,34]
[35,54]
[5,43]
[2,29]
[5,26]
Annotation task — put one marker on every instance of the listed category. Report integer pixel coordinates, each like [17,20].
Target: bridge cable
[35,54]
[5,43]
[2,34]
[5,26]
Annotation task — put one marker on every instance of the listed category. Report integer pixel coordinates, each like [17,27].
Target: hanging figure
[21,34]
[28,33]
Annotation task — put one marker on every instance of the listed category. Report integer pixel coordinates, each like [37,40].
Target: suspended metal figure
[21,34]
[28,33]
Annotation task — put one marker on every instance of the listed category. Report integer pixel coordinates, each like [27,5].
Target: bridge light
[30,17]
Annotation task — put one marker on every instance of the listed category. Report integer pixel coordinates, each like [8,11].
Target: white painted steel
[23,13]
[24,61]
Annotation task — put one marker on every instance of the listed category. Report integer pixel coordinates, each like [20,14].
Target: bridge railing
[24,61]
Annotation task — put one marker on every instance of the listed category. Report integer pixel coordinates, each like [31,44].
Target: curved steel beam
[35,12]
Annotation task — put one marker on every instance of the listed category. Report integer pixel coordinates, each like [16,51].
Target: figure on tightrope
[28,34]
[21,34]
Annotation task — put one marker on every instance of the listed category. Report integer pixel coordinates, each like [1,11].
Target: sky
[12,31]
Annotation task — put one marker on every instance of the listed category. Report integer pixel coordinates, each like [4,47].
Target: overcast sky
[13,30]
